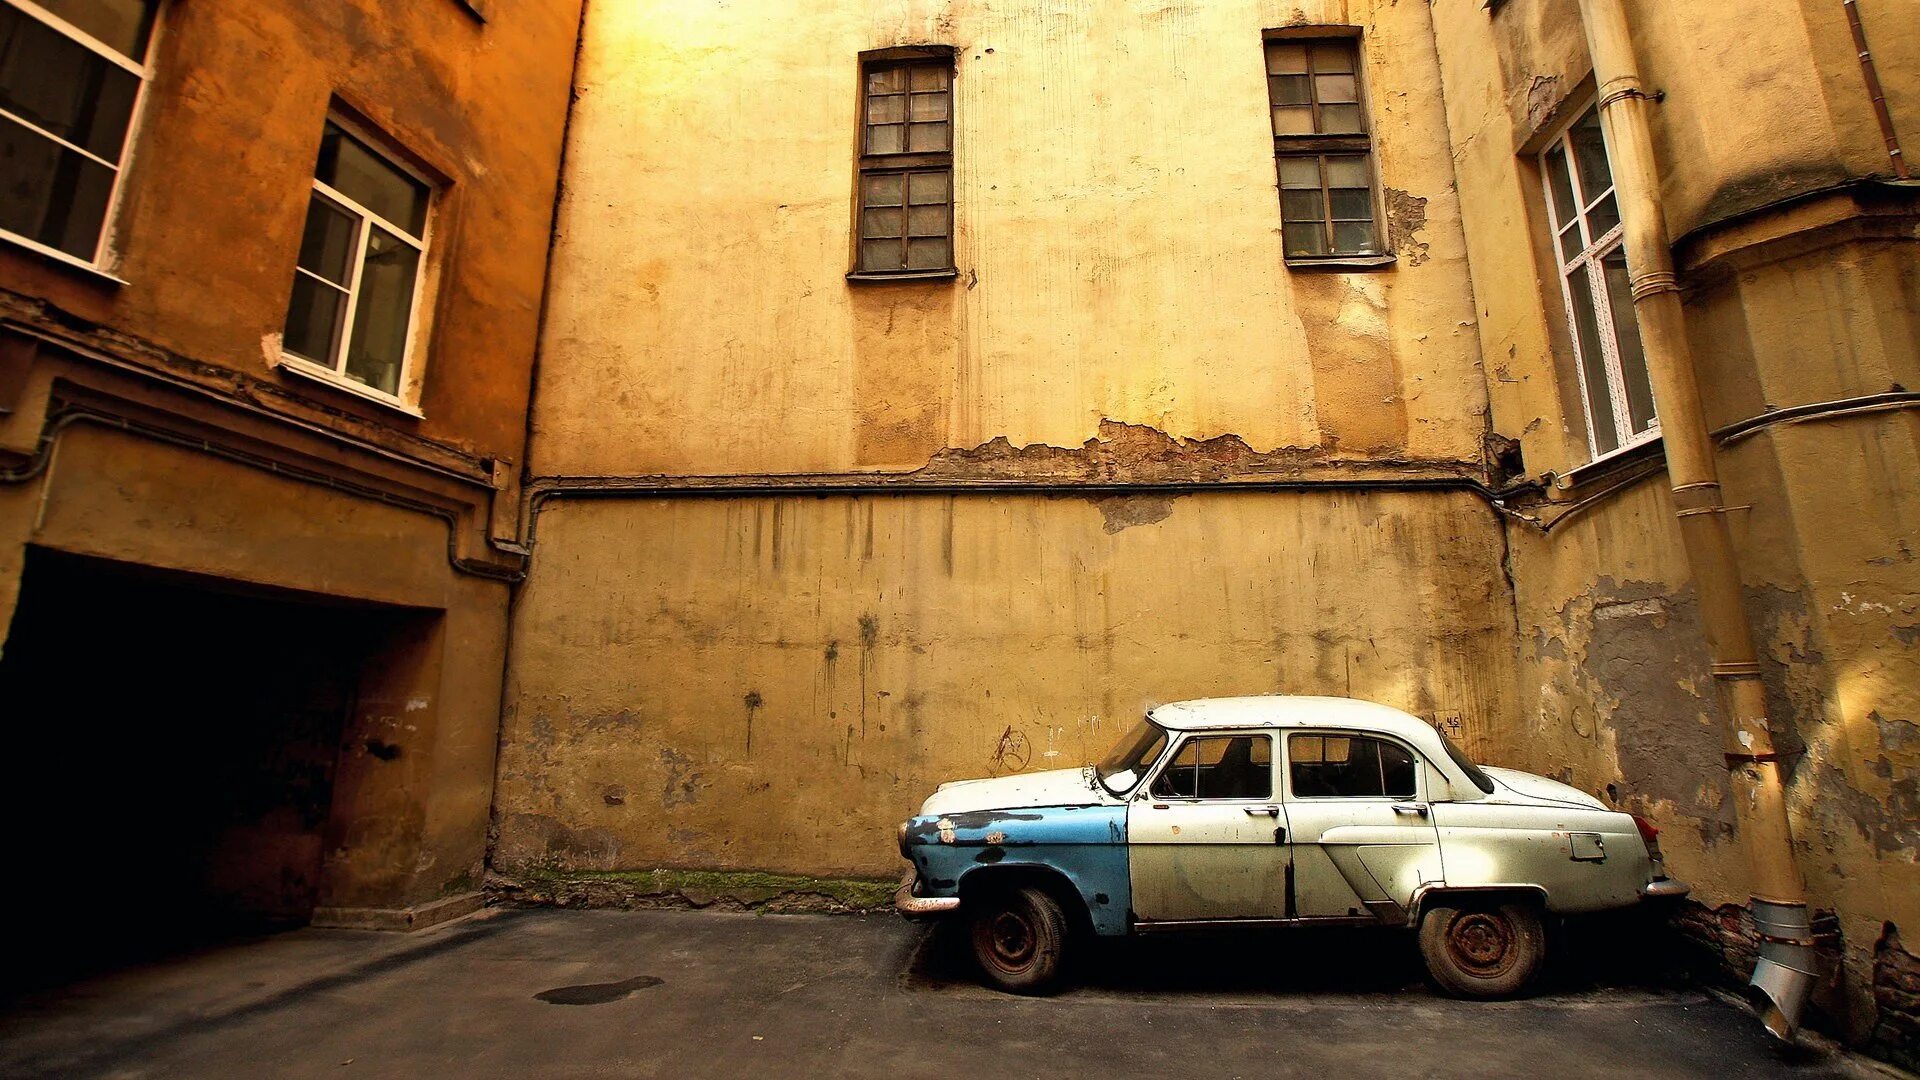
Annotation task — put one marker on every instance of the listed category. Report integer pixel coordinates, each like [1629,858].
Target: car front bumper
[906,903]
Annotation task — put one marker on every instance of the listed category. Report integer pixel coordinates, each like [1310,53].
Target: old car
[1275,811]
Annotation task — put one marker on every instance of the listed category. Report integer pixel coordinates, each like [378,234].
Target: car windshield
[1130,758]
[1474,773]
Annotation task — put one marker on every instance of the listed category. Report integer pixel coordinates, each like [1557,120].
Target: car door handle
[1410,808]
[1262,811]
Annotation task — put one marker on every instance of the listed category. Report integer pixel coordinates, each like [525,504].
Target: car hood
[1055,787]
[1539,787]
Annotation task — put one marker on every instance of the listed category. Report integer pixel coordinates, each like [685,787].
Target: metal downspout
[1785,971]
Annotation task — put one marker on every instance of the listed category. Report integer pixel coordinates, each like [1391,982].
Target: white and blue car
[1275,811]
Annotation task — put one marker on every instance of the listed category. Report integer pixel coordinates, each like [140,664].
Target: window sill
[61,258]
[871,277]
[1343,263]
[307,369]
[1611,462]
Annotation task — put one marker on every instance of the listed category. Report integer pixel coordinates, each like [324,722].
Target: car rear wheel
[1489,950]
[1018,938]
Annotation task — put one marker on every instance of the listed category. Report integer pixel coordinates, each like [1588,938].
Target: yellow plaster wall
[1117,244]
[774,683]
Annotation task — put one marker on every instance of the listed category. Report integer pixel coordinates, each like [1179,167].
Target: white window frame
[335,375]
[1593,250]
[103,249]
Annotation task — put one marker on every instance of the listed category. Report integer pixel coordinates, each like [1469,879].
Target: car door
[1362,832]
[1205,834]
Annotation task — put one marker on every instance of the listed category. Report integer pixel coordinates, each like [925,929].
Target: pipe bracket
[1654,282]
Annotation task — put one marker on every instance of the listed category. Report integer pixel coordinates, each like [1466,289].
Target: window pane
[1626,335]
[327,246]
[383,311]
[928,187]
[1349,767]
[886,139]
[929,107]
[1306,239]
[1352,204]
[1337,88]
[1348,172]
[927,77]
[1590,155]
[1286,58]
[50,194]
[349,167]
[887,109]
[1560,186]
[934,254]
[1353,237]
[1340,119]
[1293,120]
[119,24]
[313,320]
[885,222]
[1302,205]
[881,255]
[1290,90]
[52,81]
[886,80]
[1603,217]
[1571,244]
[882,190]
[927,138]
[1333,56]
[1300,172]
[1593,370]
[927,221]
[1236,767]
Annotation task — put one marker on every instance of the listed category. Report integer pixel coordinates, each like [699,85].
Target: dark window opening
[1349,767]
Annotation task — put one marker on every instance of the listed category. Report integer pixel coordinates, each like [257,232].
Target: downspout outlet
[1785,972]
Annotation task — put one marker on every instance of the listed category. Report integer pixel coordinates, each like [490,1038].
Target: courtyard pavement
[684,994]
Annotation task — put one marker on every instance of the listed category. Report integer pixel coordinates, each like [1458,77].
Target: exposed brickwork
[1896,999]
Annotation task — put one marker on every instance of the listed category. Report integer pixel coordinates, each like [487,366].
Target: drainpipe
[1879,96]
[1785,970]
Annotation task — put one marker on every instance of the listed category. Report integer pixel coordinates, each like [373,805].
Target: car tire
[1019,937]
[1486,950]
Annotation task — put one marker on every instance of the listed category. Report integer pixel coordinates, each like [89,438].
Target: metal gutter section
[1782,979]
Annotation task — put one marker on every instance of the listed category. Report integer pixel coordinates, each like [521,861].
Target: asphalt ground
[678,994]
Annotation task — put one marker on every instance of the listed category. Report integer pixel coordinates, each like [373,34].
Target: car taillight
[1649,832]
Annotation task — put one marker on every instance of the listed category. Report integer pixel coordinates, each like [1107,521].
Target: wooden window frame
[334,374]
[1588,260]
[104,254]
[1321,146]
[904,163]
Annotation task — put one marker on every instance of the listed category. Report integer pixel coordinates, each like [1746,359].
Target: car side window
[1219,767]
[1348,767]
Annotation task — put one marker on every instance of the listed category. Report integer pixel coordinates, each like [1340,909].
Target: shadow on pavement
[1612,952]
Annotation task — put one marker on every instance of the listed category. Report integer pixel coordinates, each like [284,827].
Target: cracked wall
[774,683]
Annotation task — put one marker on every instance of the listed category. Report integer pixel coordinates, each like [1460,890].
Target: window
[358,277]
[1323,150]
[71,77]
[1219,767]
[1348,767]
[905,216]
[1593,278]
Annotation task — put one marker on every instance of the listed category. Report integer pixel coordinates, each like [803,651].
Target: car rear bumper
[1664,889]
[920,906]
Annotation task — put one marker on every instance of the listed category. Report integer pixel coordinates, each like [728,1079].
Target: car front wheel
[1018,938]
[1489,950]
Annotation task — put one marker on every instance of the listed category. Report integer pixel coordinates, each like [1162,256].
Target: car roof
[1289,711]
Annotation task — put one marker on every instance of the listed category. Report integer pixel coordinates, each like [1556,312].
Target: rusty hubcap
[1481,943]
[1011,940]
